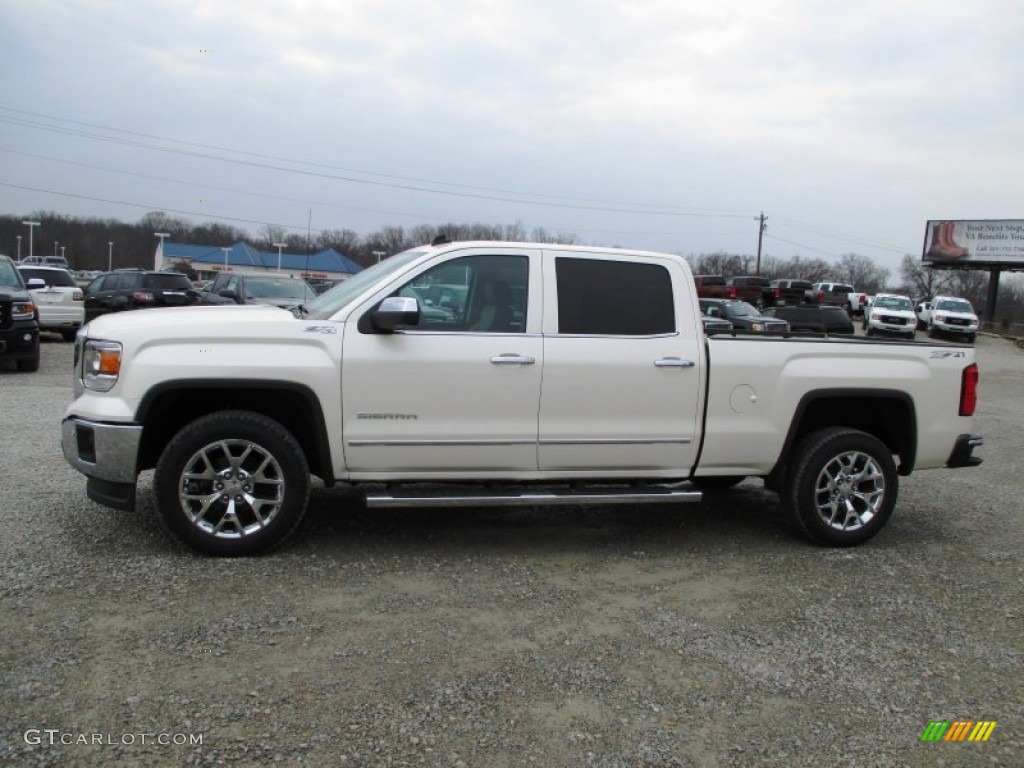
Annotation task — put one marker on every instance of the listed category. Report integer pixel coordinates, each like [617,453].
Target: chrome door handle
[510,358]
[674,362]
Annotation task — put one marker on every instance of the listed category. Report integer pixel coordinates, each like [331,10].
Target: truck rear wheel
[842,486]
[232,483]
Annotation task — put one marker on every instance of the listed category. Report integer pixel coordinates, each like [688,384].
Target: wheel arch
[888,414]
[167,407]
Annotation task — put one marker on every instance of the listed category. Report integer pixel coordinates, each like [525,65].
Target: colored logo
[958,730]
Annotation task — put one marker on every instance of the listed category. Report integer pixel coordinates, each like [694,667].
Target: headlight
[23,310]
[757,326]
[940,318]
[101,363]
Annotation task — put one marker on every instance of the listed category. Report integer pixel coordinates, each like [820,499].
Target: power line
[493,194]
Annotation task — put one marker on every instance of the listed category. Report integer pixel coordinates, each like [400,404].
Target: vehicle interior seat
[496,311]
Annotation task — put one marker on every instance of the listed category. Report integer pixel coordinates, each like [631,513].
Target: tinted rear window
[49,276]
[169,281]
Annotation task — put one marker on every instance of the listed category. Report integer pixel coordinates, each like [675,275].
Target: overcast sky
[660,124]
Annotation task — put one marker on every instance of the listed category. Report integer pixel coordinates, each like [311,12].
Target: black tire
[932,332]
[234,458]
[717,483]
[971,338]
[69,335]
[911,336]
[867,486]
[29,365]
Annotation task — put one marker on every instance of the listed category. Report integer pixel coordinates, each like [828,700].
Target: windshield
[278,288]
[893,302]
[326,304]
[49,276]
[9,276]
[958,305]
[741,309]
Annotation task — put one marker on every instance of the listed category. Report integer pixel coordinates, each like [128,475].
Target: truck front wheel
[842,486]
[232,483]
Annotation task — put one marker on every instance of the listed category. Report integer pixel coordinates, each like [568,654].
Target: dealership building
[208,261]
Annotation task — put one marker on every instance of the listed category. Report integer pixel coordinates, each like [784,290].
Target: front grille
[5,314]
[893,320]
[958,321]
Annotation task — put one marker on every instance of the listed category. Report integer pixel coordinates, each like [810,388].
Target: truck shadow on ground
[746,513]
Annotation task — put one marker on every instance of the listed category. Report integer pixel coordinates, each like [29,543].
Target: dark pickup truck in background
[721,287]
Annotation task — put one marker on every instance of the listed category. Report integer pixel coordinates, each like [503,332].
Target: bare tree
[271,234]
[919,281]
[719,263]
[862,273]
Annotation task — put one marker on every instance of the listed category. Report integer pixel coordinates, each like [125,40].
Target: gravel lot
[700,636]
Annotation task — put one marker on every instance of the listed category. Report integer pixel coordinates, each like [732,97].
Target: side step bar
[530,496]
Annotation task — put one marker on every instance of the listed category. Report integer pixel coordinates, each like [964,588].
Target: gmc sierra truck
[547,375]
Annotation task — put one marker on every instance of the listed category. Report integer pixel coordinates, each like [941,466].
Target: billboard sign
[983,241]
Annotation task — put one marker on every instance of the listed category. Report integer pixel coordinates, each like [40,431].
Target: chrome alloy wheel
[849,491]
[231,488]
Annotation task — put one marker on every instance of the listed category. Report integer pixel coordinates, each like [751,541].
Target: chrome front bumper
[102,451]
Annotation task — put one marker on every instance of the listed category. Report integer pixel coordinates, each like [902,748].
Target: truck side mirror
[395,312]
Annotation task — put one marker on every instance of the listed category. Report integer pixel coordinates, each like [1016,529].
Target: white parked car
[949,315]
[890,313]
[58,297]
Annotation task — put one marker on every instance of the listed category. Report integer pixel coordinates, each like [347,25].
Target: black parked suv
[814,318]
[137,289]
[19,319]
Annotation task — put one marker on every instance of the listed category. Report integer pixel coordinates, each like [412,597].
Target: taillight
[969,390]
[143,297]
[77,296]
[732,292]
[821,297]
[776,293]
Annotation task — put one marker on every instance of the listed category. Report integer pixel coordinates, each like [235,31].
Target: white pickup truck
[491,373]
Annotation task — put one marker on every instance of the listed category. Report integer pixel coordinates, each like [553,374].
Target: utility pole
[760,237]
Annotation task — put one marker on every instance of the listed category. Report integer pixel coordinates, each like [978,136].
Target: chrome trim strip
[427,443]
[618,441]
[385,500]
[523,441]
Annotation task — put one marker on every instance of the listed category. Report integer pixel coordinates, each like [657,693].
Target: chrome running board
[528,496]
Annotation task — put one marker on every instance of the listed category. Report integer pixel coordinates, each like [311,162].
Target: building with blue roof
[209,260]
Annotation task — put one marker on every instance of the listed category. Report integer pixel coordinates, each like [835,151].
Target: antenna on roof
[441,239]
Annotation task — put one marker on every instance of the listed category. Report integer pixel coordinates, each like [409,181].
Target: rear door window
[613,298]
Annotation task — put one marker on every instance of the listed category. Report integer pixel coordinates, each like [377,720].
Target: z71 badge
[945,353]
[329,329]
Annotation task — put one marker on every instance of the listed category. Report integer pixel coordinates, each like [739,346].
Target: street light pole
[31,226]
[160,249]
[110,257]
[19,247]
[279,247]
[226,252]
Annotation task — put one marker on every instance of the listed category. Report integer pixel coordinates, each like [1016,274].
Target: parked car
[718,287]
[949,315]
[839,295]
[19,326]
[137,289]
[266,288]
[58,298]
[890,313]
[716,324]
[752,288]
[813,318]
[788,291]
[44,261]
[743,316]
